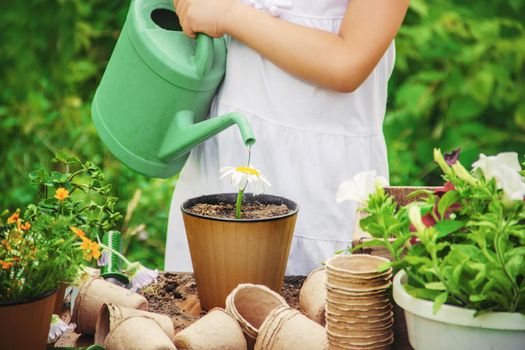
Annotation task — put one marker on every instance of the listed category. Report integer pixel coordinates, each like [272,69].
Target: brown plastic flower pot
[25,325]
[228,252]
[59,302]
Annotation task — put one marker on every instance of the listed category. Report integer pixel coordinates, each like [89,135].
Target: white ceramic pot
[456,328]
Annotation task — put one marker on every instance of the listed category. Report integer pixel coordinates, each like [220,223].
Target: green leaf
[446,227]
[421,293]
[435,286]
[439,301]
[515,266]
[448,199]
[476,298]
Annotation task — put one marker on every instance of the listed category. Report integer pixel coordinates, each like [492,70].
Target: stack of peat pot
[358,310]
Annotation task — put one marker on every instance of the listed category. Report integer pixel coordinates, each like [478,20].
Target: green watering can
[151,105]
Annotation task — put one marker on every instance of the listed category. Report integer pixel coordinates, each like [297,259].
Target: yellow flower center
[249,171]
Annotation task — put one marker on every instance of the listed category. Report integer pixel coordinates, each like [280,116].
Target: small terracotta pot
[227,252]
[312,297]
[138,333]
[96,292]
[25,325]
[111,314]
[218,330]
[250,304]
[291,330]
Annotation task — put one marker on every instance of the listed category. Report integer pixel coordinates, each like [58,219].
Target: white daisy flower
[141,276]
[242,176]
[57,329]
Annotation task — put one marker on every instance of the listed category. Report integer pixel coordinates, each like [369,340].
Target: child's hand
[203,16]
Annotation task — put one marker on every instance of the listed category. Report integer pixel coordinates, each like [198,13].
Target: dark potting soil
[249,211]
[175,295]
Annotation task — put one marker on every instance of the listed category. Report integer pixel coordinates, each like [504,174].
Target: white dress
[309,140]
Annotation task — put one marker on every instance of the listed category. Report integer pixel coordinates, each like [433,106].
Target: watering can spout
[183,134]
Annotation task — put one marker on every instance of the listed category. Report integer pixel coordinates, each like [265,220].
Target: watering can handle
[203,58]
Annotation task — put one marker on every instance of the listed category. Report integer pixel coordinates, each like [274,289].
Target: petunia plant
[241,177]
[462,244]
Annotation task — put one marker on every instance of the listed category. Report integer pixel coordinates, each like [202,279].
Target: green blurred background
[459,81]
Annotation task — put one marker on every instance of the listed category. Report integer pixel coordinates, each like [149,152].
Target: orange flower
[91,249]
[14,218]
[61,194]
[78,232]
[95,250]
[26,226]
[6,244]
[6,265]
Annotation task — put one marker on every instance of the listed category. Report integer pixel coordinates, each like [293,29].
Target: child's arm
[340,62]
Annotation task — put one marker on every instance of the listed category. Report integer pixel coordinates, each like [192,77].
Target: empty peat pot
[93,294]
[228,252]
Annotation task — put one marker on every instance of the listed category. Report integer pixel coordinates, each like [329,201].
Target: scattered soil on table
[249,211]
[175,295]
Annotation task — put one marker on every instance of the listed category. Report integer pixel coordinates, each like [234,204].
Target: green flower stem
[238,203]
[122,257]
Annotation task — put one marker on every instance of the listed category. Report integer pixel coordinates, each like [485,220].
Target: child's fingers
[175,4]
[185,22]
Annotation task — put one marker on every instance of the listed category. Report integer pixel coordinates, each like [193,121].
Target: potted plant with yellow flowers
[238,237]
[45,245]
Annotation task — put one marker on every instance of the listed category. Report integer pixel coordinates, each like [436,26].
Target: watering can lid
[155,34]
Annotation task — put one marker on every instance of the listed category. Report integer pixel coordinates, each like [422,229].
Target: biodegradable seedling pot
[138,333]
[312,297]
[96,292]
[111,314]
[250,305]
[286,329]
[25,325]
[218,330]
[228,252]
[359,345]
[356,264]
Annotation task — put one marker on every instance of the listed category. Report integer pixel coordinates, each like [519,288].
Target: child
[311,78]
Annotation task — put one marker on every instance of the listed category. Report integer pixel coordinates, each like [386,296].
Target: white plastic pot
[454,328]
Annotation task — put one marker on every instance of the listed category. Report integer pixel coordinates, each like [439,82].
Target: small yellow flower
[91,249]
[78,232]
[6,265]
[14,218]
[95,250]
[61,194]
